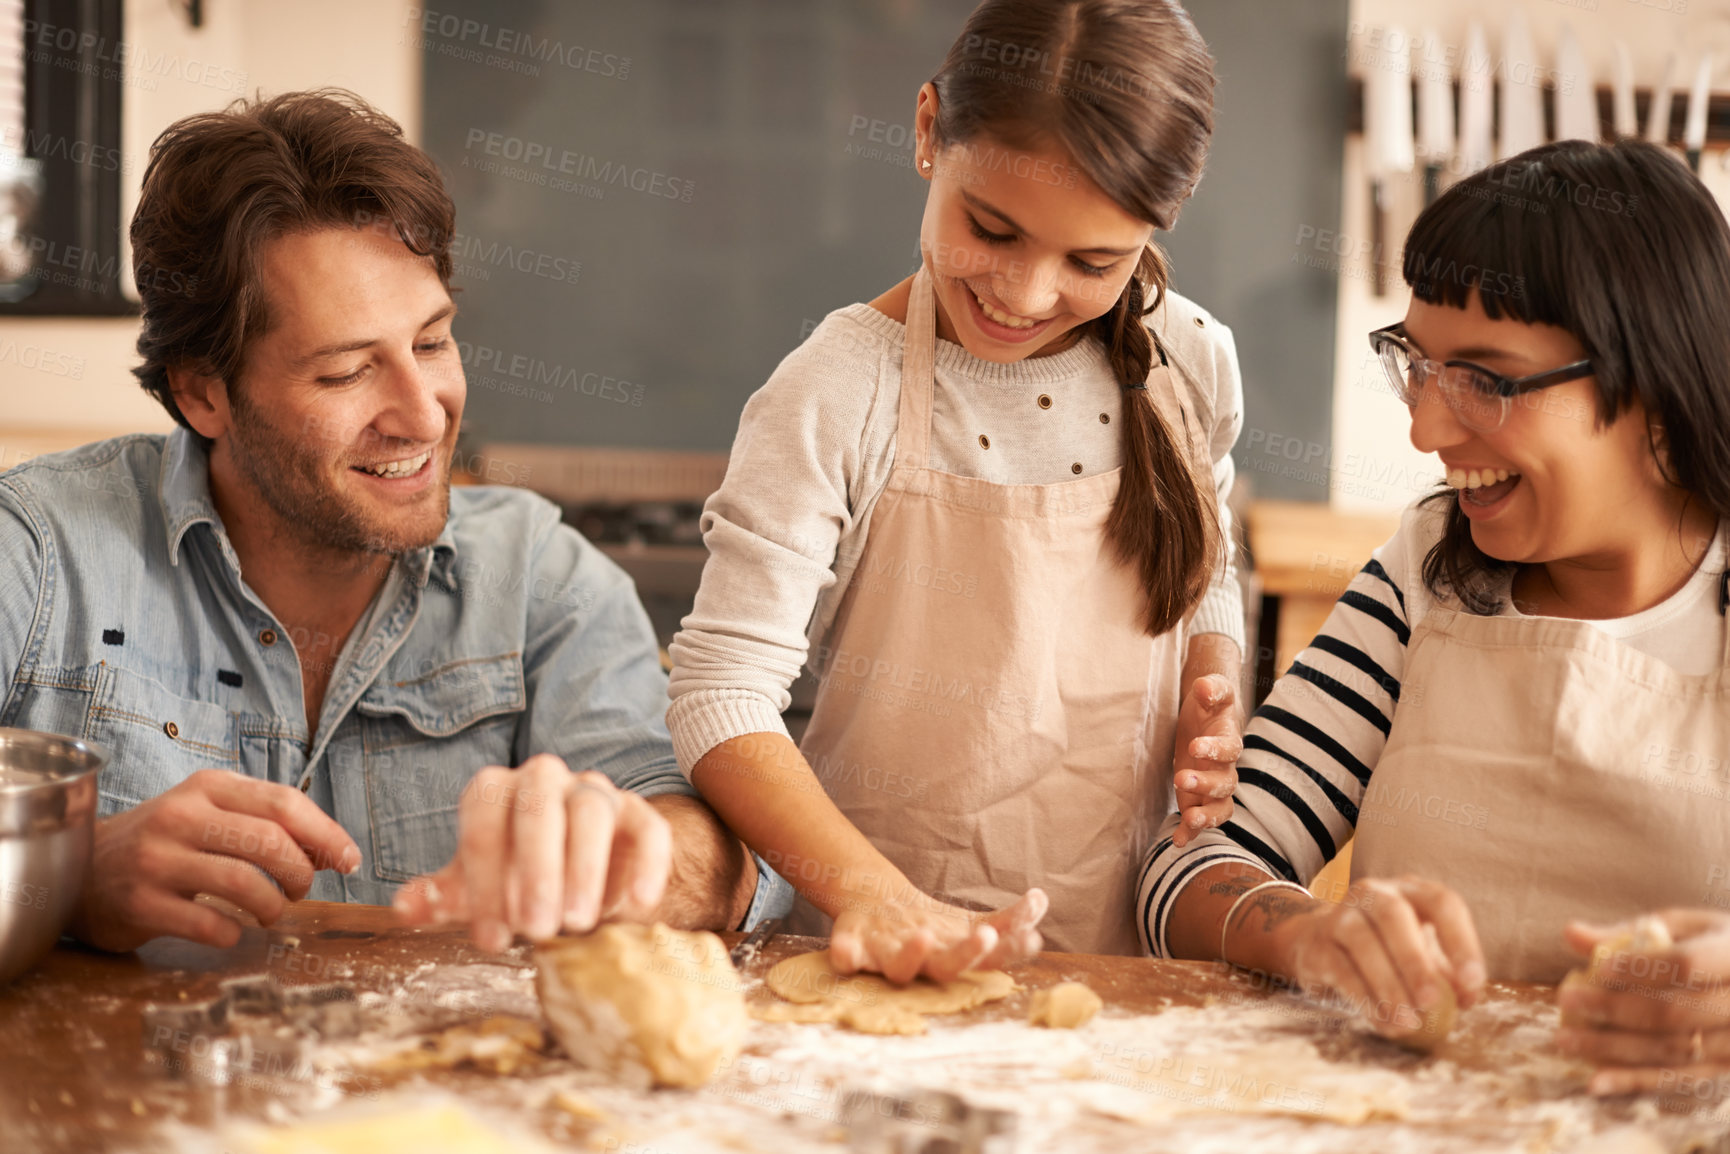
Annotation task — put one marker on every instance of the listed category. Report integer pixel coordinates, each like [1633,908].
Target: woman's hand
[1209,742]
[1372,950]
[1657,1016]
[904,940]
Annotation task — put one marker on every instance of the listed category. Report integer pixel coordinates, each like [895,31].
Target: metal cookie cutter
[253,1026]
[924,1122]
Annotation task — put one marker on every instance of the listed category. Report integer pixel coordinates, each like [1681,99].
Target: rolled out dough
[645,1004]
[1064,1006]
[501,1045]
[871,1003]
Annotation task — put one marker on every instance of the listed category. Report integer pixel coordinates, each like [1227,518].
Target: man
[311,659]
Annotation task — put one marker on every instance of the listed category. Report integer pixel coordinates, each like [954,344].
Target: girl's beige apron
[1546,771]
[990,713]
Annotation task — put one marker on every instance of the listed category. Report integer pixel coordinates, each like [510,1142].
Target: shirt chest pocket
[423,738]
[156,738]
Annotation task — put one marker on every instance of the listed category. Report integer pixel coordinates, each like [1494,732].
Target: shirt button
[1199,323]
[984,441]
[1044,400]
[267,637]
[1075,468]
[171,729]
[1105,418]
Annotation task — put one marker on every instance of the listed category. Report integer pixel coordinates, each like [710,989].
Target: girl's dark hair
[1622,246]
[1125,88]
[222,184]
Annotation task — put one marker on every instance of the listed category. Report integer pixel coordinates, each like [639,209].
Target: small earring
[925,164]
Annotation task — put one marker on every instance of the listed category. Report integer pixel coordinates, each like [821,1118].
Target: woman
[1506,702]
[991,502]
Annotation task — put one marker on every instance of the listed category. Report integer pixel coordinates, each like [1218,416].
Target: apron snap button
[267,638]
[1044,400]
[171,729]
[984,441]
[1199,323]
[1105,418]
[1075,468]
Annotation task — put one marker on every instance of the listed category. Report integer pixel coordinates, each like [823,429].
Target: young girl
[1521,704]
[991,502]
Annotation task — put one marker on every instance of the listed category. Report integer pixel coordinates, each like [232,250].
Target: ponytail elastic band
[1133,388]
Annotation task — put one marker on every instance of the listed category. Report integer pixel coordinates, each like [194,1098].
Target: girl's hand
[1209,742]
[905,940]
[1659,1016]
[1371,950]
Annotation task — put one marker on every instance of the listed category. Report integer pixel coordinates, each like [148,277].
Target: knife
[1627,119]
[1387,138]
[746,951]
[1658,116]
[1522,99]
[1694,135]
[1576,97]
[1477,102]
[1435,116]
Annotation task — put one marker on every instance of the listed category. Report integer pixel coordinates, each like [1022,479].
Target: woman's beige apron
[1546,771]
[991,713]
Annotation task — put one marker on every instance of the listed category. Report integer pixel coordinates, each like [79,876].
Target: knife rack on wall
[1717,112]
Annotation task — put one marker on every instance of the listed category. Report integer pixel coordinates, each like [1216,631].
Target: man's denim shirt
[124,620]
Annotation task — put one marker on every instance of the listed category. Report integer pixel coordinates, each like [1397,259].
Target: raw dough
[871,1003]
[649,1005]
[426,1128]
[499,1045]
[878,1019]
[1064,1006]
[1642,934]
[1439,1020]
[1438,1023]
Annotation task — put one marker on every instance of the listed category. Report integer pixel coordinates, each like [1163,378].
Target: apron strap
[1170,394]
[918,358]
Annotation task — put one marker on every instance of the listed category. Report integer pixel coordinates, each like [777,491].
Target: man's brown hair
[221,185]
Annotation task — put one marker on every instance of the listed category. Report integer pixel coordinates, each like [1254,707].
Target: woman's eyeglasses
[1480,397]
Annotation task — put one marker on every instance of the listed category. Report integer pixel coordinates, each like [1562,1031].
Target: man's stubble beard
[289,478]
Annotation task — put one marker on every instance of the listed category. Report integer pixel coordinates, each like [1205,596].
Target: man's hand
[542,849]
[217,833]
[1658,1019]
[902,940]
[1209,742]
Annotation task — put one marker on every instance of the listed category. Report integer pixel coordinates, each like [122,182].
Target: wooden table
[72,1077]
[1306,554]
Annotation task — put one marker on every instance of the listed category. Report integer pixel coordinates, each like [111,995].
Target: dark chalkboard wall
[658,199]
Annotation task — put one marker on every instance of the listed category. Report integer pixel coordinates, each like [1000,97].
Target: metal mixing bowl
[47,818]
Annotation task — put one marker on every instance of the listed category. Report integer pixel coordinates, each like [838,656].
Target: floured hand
[1653,1009]
[904,940]
[541,849]
[1209,742]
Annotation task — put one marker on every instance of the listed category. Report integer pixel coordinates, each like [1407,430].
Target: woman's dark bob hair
[1623,247]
